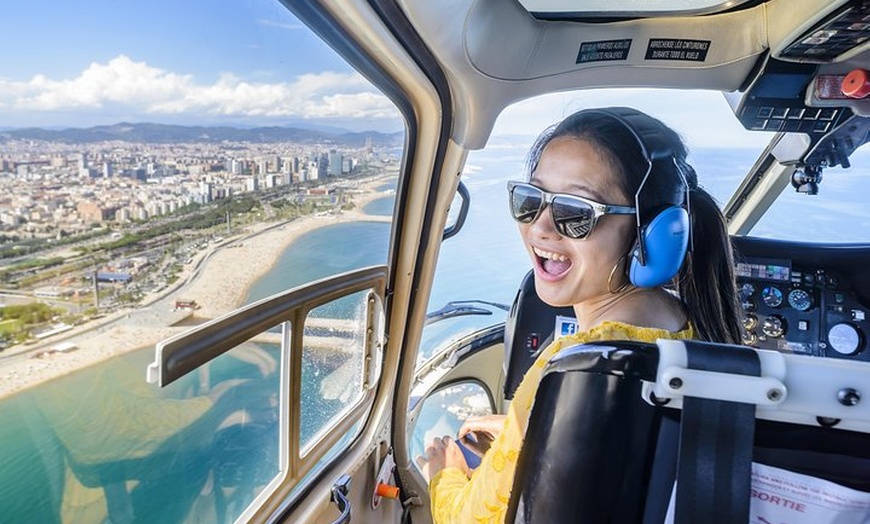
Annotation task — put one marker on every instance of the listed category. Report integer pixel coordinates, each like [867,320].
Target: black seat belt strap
[715,458]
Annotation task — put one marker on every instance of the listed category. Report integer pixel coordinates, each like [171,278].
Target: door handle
[339,496]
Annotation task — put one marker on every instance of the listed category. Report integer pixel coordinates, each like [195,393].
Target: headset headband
[655,146]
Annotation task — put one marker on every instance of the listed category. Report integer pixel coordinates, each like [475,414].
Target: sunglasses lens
[525,203]
[573,218]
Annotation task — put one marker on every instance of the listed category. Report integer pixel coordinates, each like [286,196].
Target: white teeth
[552,256]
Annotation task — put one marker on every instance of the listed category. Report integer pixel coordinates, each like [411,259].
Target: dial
[773,326]
[771,296]
[844,338]
[800,299]
[747,290]
[749,322]
[749,338]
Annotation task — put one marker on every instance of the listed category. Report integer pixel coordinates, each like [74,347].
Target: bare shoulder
[653,308]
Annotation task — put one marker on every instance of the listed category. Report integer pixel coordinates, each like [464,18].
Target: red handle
[857,84]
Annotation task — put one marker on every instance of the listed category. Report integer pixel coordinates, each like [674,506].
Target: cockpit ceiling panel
[562,9]
[538,49]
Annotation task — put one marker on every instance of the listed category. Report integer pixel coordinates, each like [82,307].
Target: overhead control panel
[807,310]
[775,101]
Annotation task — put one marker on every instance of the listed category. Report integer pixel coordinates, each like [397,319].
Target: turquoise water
[380,206]
[112,429]
[325,252]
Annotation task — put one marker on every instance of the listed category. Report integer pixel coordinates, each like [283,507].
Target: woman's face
[570,271]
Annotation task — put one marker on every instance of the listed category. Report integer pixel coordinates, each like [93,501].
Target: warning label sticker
[603,50]
[778,496]
[677,49]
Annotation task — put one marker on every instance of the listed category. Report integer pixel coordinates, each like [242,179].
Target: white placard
[778,496]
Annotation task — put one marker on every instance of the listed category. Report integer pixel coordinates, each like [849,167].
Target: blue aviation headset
[662,240]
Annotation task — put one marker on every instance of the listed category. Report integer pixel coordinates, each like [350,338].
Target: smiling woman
[620,275]
[170,181]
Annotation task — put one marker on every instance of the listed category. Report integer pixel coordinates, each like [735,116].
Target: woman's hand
[488,425]
[442,453]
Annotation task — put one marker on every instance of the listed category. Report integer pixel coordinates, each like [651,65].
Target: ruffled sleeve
[484,497]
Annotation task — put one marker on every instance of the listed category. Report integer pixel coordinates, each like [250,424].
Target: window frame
[181,354]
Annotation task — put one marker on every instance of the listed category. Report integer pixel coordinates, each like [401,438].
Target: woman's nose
[543,226]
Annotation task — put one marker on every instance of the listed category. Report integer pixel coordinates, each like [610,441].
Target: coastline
[218,280]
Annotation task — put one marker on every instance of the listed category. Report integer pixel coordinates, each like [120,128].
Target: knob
[750,338]
[773,326]
[749,322]
[856,84]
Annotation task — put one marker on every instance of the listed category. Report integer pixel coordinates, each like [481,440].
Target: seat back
[530,324]
[597,452]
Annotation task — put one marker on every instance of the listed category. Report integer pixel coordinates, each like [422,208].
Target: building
[334,160]
[93,212]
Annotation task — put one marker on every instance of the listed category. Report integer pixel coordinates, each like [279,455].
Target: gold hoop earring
[610,278]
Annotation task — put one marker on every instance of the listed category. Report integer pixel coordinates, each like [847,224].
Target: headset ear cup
[665,241]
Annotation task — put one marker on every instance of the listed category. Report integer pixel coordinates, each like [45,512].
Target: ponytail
[706,281]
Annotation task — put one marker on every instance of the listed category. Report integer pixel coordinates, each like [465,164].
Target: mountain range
[165,133]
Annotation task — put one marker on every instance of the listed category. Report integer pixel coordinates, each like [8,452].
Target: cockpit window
[161,165]
[837,214]
[486,261]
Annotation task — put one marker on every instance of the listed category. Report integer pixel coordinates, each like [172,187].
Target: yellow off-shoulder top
[484,497]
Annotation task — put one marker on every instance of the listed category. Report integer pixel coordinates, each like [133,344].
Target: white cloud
[281,25]
[703,118]
[137,90]
[149,91]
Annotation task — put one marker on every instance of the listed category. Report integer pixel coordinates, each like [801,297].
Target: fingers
[488,424]
[437,448]
[434,459]
[454,457]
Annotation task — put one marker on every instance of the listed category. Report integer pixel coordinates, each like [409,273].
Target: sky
[242,63]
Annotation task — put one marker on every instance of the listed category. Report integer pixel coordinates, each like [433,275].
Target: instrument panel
[802,309]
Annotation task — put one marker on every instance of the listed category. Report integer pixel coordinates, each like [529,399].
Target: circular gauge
[771,296]
[749,322]
[800,299]
[747,305]
[773,326]
[747,290]
[749,338]
[844,338]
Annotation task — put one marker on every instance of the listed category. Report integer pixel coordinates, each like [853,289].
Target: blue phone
[471,458]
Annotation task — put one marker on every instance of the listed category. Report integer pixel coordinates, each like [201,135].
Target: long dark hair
[705,282]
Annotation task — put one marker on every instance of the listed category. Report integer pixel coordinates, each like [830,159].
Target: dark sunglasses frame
[562,224]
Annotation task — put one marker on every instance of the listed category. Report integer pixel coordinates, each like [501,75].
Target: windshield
[487,261]
[837,214]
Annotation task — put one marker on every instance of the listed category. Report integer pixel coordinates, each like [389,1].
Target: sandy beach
[217,279]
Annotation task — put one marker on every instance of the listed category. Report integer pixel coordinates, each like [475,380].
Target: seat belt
[716,437]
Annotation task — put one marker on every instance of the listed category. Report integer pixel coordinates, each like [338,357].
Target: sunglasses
[573,216]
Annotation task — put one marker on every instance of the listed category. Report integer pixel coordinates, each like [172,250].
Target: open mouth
[551,266]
